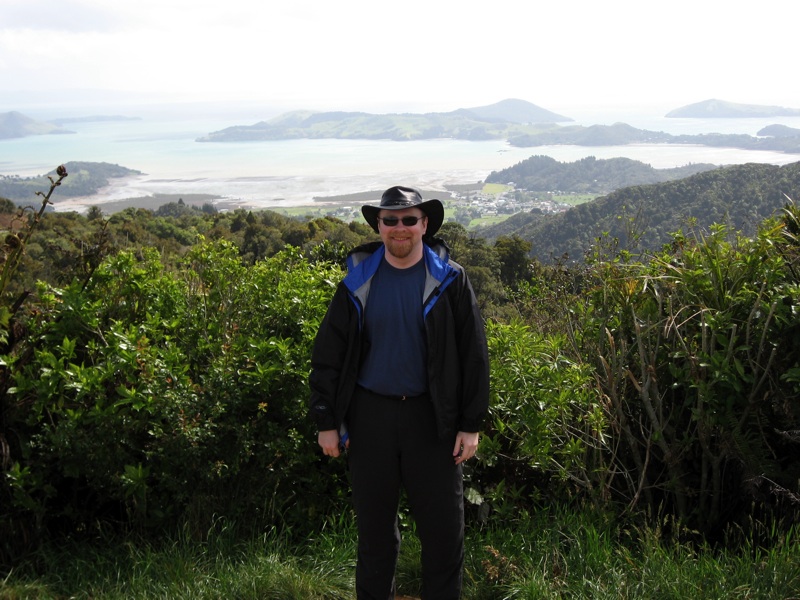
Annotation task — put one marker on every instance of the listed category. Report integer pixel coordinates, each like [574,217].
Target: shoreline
[259,193]
[155,201]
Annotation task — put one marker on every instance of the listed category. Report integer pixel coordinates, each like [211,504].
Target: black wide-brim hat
[400,197]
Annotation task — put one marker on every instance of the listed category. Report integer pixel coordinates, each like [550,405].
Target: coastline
[258,192]
[153,202]
[157,200]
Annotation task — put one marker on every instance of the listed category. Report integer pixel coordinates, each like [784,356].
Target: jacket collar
[363,261]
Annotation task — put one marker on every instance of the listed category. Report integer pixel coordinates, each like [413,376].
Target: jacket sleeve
[474,355]
[328,359]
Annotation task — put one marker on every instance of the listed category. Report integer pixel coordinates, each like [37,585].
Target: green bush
[151,395]
[546,432]
[693,354]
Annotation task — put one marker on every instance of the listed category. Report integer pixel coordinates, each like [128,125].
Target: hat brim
[433,209]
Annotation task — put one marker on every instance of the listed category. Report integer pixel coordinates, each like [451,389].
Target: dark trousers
[394,445]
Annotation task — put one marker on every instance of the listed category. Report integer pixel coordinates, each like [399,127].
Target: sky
[415,55]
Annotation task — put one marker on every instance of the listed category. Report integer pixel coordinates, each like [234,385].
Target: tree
[94,213]
[512,252]
[7,206]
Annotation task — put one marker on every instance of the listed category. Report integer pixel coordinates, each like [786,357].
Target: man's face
[403,242]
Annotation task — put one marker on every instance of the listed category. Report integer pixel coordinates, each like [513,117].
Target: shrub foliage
[694,356]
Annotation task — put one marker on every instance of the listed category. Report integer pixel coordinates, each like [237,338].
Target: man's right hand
[329,442]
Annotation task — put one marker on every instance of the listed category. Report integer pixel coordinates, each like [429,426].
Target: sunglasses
[409,221]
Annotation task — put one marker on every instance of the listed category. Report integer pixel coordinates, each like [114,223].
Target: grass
[554,554]
[220,567]
[495,189]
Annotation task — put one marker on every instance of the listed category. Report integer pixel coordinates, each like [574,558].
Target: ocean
[161,144]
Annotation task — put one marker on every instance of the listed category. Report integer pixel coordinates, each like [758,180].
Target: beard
[399,248]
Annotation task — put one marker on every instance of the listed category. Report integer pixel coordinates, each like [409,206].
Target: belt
[398,398]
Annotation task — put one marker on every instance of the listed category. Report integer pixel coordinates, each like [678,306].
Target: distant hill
[709,109]
[513,110]
[16,125]
[588,175]
[741,196]
[496,121]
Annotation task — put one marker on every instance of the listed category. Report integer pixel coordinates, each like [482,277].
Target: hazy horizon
[250,112]
[104,102]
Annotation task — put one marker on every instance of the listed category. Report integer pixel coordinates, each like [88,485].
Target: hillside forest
[153,363]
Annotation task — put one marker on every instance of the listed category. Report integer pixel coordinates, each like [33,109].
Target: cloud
[77,16]
[353,52]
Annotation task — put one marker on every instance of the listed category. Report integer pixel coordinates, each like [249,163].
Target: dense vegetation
[154,381]
[588,175]
[644,217]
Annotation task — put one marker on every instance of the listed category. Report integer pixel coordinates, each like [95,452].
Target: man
[400,377]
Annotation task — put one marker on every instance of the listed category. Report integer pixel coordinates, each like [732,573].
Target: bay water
[162,145]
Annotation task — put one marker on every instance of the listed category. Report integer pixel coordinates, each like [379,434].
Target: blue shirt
[395,351]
